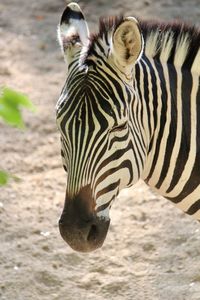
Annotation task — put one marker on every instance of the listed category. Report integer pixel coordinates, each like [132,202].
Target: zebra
[130,109]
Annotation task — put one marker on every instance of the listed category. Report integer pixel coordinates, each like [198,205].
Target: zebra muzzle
[84,236]
[79,224]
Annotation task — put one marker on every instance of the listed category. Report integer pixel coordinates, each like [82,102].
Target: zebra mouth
[85,236]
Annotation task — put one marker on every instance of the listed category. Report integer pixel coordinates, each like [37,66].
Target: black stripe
[95,157]
[162,118]
[146,94]
[136,86]
[138,146]
[186,131]
[126,164]
[104,206]
[194,208]
[198,124]
[154,89]
[109,188]
[173,125]
[193,181]
[117,139]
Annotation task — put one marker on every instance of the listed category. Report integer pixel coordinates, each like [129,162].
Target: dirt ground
[152,250]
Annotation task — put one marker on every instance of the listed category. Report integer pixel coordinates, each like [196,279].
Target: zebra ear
[127,43]
[73,31]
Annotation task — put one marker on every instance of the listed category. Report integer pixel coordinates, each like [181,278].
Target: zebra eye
[119,127]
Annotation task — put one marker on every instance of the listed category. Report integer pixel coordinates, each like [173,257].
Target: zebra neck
[171,99]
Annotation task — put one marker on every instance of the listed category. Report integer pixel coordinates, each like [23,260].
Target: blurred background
[152,250]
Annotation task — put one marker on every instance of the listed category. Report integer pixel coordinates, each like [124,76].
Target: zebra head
[99,132]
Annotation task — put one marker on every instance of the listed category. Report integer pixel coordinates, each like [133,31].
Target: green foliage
[11,103]
[4,176]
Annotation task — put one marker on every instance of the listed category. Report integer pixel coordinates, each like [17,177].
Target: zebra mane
[173,42]
[106,26]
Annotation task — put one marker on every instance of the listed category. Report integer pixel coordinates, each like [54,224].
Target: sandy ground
[152,250]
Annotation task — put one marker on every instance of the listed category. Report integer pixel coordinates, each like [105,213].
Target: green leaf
[10,107]
[4,176]
[11,115]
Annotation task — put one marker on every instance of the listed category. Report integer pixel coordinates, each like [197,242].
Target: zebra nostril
[92,235]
